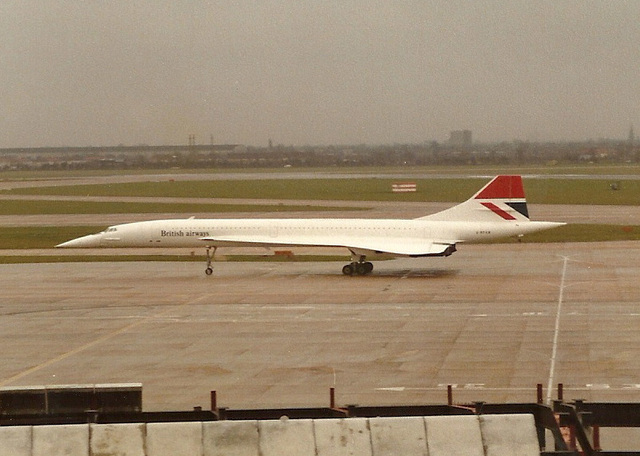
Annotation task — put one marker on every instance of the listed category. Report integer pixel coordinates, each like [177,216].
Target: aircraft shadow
[410,274]
[418,273]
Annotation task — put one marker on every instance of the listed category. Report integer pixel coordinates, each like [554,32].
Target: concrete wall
[486,435]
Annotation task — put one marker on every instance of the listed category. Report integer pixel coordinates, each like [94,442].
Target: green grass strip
[578,232]
[540,191]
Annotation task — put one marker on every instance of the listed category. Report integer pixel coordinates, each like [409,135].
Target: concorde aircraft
[499,209]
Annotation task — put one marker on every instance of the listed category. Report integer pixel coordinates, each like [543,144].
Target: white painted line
[598,386]
[556,332]
[513,389]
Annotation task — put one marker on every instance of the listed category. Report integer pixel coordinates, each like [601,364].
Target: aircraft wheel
[362,269]
[208,271]
[347,269]
[369,266]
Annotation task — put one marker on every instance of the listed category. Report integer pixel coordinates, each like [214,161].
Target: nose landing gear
[210,258]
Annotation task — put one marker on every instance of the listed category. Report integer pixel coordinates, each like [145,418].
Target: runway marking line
[556,331]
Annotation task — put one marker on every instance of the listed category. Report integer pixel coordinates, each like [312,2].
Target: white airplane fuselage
[497,210]
[306,232]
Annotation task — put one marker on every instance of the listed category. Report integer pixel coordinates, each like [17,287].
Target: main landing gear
[357,267]
[210,255]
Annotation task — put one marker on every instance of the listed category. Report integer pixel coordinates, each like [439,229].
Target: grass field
[46,237]
[586,169]
[48,207]
[540,191]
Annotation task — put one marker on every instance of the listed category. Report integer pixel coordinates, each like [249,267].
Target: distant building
[460,138]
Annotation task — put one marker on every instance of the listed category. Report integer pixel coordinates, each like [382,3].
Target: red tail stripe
[502,213]
[503,187]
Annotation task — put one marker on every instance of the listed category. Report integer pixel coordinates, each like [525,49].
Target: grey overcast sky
[303,72]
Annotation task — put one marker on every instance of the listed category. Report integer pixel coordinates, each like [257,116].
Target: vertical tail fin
[501,199]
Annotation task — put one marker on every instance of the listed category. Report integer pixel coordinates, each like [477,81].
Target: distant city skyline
[317,73]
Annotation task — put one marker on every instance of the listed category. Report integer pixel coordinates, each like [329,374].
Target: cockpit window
[111,229]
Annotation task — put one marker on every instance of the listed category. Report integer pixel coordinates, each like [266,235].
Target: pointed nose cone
[91,240]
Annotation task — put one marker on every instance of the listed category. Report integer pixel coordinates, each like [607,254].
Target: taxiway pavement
[491,320]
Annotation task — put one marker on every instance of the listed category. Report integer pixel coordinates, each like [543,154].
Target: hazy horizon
[317,73]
